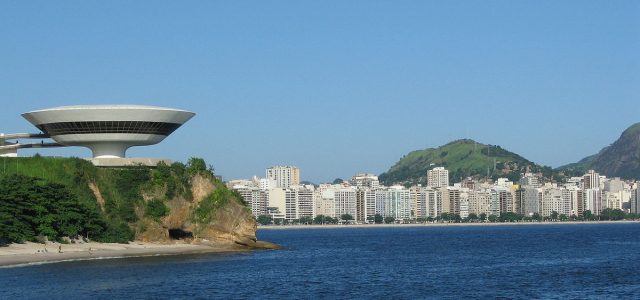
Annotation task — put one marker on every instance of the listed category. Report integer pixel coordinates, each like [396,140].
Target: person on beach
[59,248]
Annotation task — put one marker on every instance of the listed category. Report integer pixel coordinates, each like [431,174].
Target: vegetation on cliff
[69,197]
[463,158]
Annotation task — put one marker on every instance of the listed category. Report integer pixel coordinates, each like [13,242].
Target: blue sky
[334,87]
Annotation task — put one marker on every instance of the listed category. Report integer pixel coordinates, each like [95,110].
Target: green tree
[554,215]
[588,215]
[306,220]
[483,217]
[156,209]
[378,218]
[472,217]
[346,217]
[264,219]
[389,220]
[493,218]
[338,181]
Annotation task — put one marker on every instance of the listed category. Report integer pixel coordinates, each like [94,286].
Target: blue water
[554,261]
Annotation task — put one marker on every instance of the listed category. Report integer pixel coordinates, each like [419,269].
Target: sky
[333,87]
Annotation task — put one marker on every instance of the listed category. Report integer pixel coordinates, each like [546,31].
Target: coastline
[15,255]
[338,226]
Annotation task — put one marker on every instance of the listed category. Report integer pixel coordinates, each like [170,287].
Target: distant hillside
[463,158]
[620,159]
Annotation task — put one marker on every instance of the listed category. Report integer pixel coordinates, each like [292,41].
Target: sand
[36,253]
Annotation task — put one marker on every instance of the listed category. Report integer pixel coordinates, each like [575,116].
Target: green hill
[463,158]
[620,159]
[58,198]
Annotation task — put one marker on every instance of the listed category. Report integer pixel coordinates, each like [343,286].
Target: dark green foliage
[378,219]
[264,220]
[338,181]
[196,165]
[31,207]
[306,220]
[389,220]
[156,209]
[346,217]
[322,219]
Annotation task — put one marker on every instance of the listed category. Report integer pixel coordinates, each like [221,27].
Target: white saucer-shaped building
[108,130]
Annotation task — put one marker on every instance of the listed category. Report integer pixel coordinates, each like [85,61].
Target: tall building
[501,201]
[635,201]
[438,177]
[555,199]
[396,201]
[591,180]
[593,201]
[283,176]
[419,201]
[345,201]
[298,202]
[576,196]
[255,198]
[365,204]
[479,202]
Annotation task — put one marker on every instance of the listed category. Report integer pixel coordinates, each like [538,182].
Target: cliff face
[230,223]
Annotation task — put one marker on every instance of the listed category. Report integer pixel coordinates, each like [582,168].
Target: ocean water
[527,261]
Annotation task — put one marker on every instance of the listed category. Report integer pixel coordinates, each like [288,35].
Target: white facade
[282,176]
[438,177]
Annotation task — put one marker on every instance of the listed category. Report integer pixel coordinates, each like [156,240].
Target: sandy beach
[336,226]
[32,253]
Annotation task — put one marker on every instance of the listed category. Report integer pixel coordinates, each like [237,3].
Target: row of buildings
[281,196]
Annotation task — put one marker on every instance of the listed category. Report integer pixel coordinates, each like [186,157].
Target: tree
[346,217]
[554,215]
[196,165]
[588,215]
[378,219]
[338,181]
[472,217]
[264,219]
[536,216]
[563,217]
[306,220]
[156,209]
[389,220]
[483,217]
[493,218]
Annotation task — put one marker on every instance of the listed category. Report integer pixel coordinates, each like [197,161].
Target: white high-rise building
[345,201]
[438,177]
[255,198]
[283,176]
[591,180]
[593,201]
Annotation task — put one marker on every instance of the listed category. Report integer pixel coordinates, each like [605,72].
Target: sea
[581,261]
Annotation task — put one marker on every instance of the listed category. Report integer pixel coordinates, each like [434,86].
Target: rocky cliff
[620,159]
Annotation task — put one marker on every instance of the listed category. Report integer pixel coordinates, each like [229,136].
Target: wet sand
[32,253]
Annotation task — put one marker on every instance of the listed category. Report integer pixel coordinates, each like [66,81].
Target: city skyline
[333,88]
